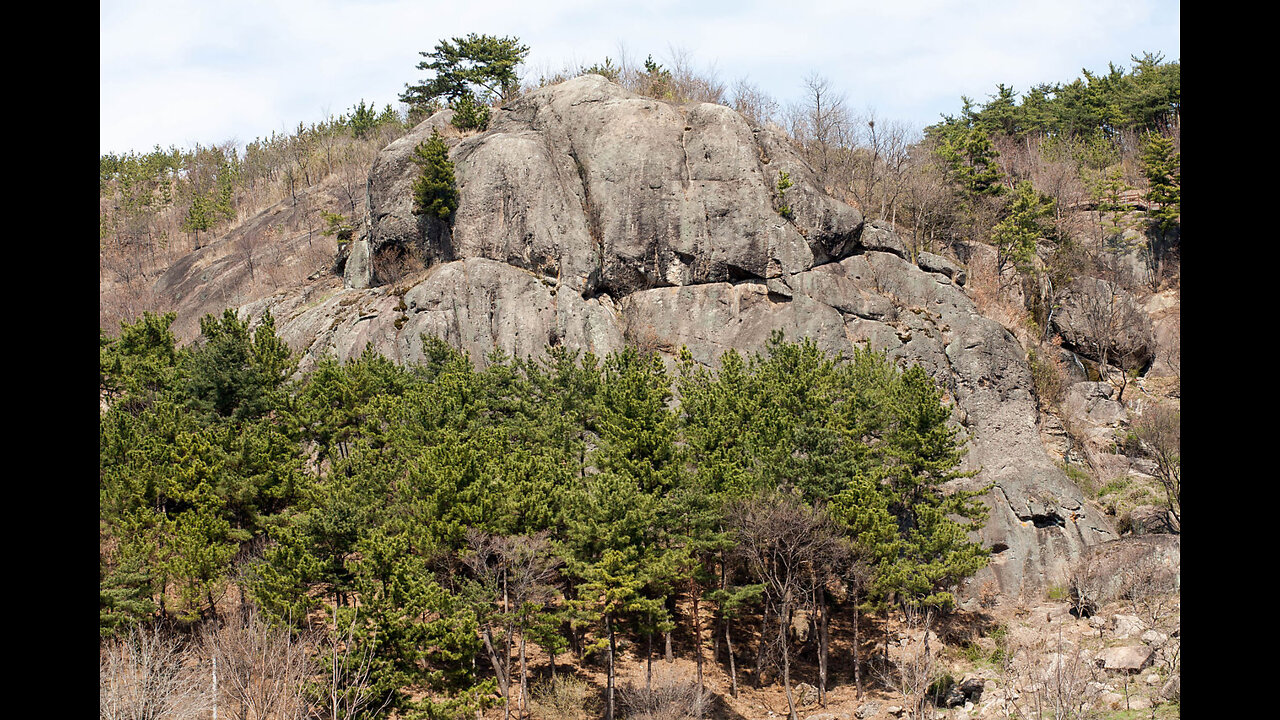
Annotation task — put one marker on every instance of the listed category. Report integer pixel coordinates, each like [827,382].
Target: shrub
[670,697]
[784,184]
[567,698]
[607,69]
[940,688]
[1048,377]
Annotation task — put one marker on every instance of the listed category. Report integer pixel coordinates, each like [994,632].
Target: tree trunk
[504,685]
[524,678]
[823,645]
[733,670]
[671,610]
[764,628]
[697,641]
[783,622]
[608,624]
[857,666]
[648,662]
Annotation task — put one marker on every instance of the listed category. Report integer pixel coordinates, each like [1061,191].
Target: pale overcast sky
[177,72]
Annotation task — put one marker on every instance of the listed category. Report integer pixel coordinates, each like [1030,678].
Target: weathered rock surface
[938,264]
[477,305]
[1090,403]
[592,218]
[1097,315]
[1150,520]
[1154,562]
[390,201]
[612,192]
[1125,658]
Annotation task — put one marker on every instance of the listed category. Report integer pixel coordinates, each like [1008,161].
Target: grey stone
[1125,626]
[938,264]
[357,272]
[1096,316]
[593,218]
[1090,402]
[1125,658]
[1150,520]
[1155,638]
[880,236]
[609,191]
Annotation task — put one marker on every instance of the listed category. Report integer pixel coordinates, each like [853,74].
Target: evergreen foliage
[483,66]
[204,453]
[1028,219]
[363,120]
[1161,167]
[1147,97]
[434,191]
[468,114]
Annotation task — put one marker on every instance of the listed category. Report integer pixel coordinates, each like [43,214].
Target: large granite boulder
[612,192]
[1098,316]
[593,218]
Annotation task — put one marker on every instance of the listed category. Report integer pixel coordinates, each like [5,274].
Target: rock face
[611,192]
[1096,314]
[593,218]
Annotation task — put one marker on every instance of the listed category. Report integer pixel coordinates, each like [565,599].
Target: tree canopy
[479,66]
[384,498]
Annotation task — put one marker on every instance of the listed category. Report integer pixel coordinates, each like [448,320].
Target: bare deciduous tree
[513,575]
[754,104]
[1058,681]
[1109,316]
[1160,430]
[262,669]
[820,122]
[346,690]
[791,548]
[145,676]
[914,669]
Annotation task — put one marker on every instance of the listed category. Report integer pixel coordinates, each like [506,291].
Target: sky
[181,72]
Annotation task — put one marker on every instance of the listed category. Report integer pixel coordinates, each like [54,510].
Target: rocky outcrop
[1128,565]
[1098,316]
[593,218]
[611,192]
[938,264]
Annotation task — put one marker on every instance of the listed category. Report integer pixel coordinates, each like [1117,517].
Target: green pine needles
[434,192]
[784,184]
[469,114]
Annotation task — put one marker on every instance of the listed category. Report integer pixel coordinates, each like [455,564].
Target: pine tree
[480,65]
[469,114]
[434,191]
[921,455]
[1161,167]
[1027,221]
[364,118]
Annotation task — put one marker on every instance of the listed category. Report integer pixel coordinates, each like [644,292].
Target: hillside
[592,218]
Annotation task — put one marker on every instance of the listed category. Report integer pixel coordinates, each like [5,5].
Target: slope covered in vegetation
[435,538]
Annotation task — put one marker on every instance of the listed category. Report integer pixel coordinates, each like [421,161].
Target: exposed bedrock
[592,218]
[611,192]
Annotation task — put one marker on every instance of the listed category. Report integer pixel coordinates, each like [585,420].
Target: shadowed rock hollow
[590,218]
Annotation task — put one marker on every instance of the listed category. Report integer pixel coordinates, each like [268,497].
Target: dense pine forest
[476,535]
[437,514]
